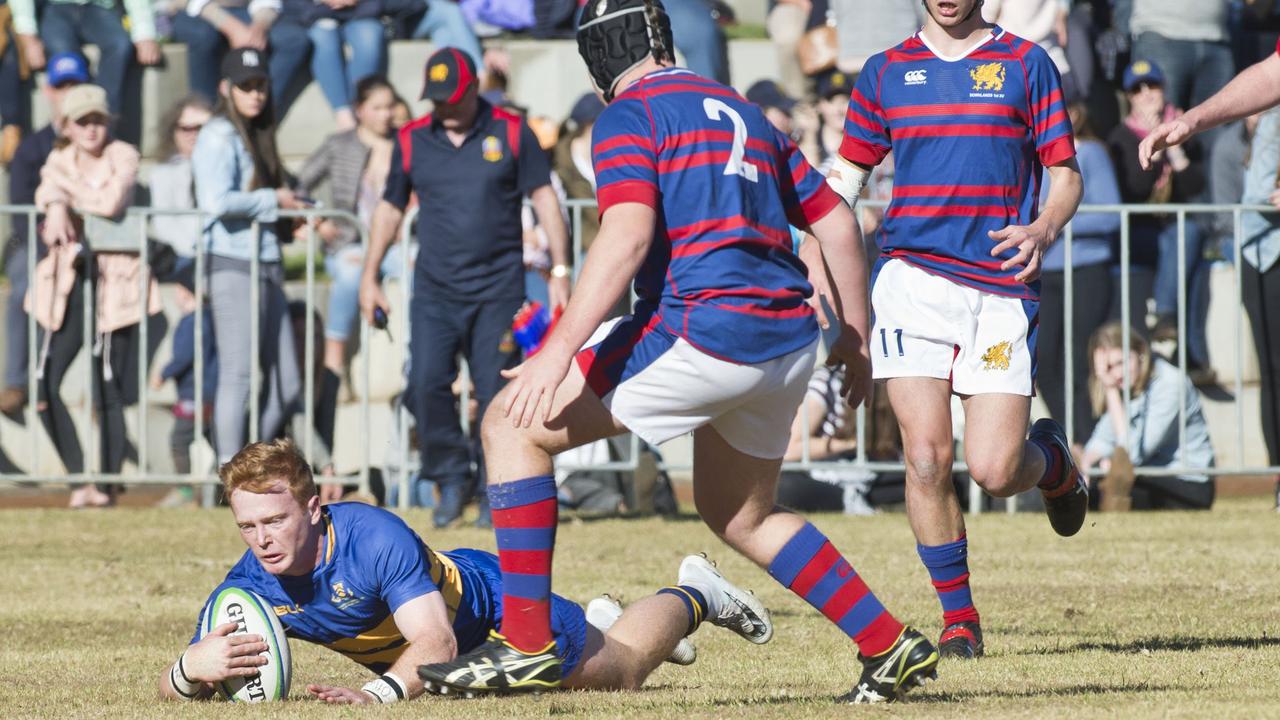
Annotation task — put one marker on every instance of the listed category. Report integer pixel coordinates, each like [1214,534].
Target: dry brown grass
[1141,615]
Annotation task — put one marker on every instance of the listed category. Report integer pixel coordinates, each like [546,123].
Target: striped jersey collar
[662,74]
[996,33]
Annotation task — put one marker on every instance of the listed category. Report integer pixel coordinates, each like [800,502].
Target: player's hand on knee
[221,655]
[532,390]
[340,695]
[1030,241]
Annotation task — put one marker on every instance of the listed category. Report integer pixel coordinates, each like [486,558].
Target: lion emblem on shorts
[988,77]
[997,356]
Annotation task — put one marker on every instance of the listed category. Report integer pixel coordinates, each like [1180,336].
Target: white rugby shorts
[928,326]
[661,386]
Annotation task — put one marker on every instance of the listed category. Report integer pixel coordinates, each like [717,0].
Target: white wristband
[847,180]
[184,686]
[387,689]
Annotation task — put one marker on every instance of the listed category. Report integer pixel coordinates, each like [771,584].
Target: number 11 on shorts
[884,341]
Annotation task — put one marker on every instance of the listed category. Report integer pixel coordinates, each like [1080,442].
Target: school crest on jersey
[997,356]
[492,148]
[342,598]
[988,77]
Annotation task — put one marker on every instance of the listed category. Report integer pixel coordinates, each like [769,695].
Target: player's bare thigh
[598,668]
[995,432]
[577,417]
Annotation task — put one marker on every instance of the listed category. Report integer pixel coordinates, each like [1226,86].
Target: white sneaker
[729,606]
[604,611]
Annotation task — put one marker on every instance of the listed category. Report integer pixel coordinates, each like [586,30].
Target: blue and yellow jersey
[373,563]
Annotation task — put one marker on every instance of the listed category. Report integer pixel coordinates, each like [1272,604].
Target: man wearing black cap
[471,165]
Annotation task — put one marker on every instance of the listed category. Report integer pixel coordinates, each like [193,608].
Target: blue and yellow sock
[694,602]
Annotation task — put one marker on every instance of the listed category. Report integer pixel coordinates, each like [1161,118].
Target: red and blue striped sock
[1052,482]
[948,567]
[811,567]
[694,602]
[524,519]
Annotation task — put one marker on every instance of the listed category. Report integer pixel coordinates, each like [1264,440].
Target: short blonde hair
[1111,337]
[259,466]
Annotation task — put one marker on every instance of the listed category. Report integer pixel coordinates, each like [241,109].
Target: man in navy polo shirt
[471,165]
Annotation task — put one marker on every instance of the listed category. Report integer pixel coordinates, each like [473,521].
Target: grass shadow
[1154,644]
[1047,692]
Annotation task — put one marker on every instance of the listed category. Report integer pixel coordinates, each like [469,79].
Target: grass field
[1141,615]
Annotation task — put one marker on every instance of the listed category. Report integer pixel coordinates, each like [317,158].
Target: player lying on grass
[359,581]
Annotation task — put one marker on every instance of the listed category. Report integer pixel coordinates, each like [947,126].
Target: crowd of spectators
[1127,66]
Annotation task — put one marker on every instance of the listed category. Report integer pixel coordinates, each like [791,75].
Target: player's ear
[313,509]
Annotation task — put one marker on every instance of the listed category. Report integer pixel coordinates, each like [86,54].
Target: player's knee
[998,477]
[495,427]
[929,464]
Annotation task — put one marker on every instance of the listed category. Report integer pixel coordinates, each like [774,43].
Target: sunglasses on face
[89,120]
[189,128]
[258,86]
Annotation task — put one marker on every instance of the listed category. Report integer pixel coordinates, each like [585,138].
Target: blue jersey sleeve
[624,156]
[866,126]
[400,564]
[1051,127]
[805,193]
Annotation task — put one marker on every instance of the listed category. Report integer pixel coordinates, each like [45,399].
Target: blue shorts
[568,621]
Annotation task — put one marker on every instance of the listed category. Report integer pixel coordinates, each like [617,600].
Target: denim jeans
[344,268]
[15,318]
[15,93]
[1165,290]
[1193,70]
[329,65]
[65,27]
[445,24]
[206,46]
[699,38]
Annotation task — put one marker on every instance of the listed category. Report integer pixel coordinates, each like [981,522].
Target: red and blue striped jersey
[726,186]
[970,139]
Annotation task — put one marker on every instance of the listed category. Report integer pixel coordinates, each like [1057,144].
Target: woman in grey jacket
[355,163]
[240,181]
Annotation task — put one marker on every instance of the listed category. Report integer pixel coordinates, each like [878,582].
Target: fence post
[34,369]
[144,385]
[255,326]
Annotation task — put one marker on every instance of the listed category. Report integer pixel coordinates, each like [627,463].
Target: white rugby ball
[253,616]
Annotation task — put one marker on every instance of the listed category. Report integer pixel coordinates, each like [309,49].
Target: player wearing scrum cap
[696,192]
[357,580]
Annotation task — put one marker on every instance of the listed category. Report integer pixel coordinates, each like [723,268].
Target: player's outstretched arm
[1031,241]
[846,260]
[424,623]
[626,231]
[1254,90]
[216,657]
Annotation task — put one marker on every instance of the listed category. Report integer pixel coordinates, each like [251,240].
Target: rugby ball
[254,616]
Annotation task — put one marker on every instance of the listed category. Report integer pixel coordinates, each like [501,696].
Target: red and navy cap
[449,74]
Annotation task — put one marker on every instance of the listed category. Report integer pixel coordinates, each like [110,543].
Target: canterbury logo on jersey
[915,77]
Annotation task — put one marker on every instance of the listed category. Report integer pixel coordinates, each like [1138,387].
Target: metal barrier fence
[202,468]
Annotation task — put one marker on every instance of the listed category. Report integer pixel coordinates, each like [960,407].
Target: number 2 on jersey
[736,165]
